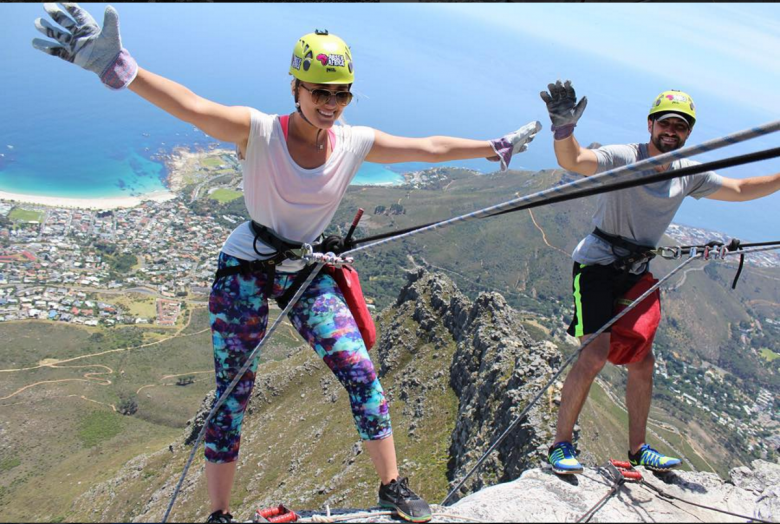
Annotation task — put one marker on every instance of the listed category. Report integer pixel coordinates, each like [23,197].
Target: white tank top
[296,203]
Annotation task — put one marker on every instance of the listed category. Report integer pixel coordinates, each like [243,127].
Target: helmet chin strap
[317,145]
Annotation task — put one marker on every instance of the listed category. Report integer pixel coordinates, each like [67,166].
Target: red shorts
[600,293]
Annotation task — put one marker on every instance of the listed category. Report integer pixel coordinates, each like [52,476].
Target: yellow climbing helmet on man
[674,101]
[322,58]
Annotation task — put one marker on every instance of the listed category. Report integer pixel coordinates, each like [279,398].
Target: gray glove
[513,143]
[563,108]
[85,44]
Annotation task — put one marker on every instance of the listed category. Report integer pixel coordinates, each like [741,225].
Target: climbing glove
[563,108]
[83,43]
[513,143]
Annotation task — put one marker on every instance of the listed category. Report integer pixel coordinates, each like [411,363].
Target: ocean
[64,134]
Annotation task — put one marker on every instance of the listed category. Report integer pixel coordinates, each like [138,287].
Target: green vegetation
[225,195]
[138,305]
[118,263]
[19,214]
[769,354]
[98,427]
[746,364]
[212,161]
[128,404]
[8,464]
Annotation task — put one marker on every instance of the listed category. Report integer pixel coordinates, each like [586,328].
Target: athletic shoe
[651,459]
[398,496]
[563,459]
[220,518]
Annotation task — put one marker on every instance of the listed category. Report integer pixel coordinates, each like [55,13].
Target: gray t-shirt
[639,214]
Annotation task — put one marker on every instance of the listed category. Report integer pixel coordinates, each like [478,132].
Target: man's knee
[594,356]
[644,366]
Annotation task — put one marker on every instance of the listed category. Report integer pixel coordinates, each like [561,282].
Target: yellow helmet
[674,101]
[322,58]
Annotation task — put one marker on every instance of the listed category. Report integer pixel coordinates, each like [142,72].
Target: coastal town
[65,264]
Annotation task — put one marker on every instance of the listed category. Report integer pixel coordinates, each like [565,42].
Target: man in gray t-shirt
[627,220]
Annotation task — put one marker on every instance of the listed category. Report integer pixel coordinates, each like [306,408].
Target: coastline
[175,162]
[87,203]
[179,161]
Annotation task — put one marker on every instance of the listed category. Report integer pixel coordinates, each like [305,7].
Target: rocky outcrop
[540,496]
[495,371]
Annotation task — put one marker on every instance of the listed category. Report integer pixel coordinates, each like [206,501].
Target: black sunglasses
[321,96]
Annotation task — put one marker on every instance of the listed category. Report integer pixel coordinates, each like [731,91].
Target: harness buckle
[670,253]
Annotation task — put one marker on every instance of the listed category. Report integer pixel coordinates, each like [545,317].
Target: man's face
[668,134]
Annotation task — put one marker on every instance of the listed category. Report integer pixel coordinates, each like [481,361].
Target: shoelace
[221,517]
[567,450]
[401,488]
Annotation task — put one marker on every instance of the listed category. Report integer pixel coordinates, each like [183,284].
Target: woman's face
[322,104]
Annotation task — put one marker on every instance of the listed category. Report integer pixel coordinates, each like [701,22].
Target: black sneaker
[398,496]
[220,517]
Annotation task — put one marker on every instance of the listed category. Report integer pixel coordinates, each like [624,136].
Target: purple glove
[563,107]
[515,142]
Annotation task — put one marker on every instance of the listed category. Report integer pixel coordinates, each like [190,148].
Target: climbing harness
[637,254]
[564,192]
[284,249]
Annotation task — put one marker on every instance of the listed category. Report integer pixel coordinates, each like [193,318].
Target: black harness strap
[734,245]
[284,249]
[637,252]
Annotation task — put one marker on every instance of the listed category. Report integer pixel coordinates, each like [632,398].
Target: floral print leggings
[238,310]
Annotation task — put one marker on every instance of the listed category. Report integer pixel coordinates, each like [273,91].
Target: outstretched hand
[513,143]
[563,107]
[83,43]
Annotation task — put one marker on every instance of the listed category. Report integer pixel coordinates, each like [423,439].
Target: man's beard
[665,148]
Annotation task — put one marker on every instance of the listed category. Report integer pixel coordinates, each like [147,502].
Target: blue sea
[421,70]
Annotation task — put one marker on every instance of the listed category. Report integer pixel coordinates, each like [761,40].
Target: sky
[471,70]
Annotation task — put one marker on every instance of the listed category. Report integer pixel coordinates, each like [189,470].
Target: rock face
[541,496]
[496,369]
[457,374]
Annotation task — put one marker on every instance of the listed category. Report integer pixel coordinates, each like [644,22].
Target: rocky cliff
[457,373]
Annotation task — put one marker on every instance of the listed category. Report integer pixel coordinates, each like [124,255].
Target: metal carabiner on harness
[670,253]
[330,259]
[303,252]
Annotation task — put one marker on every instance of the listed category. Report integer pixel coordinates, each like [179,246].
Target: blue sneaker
[563,459]
[652,459]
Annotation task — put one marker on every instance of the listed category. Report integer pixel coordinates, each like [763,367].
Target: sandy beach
[87,203]
[180,161]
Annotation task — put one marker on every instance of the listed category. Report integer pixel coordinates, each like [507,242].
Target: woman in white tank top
[296,170]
